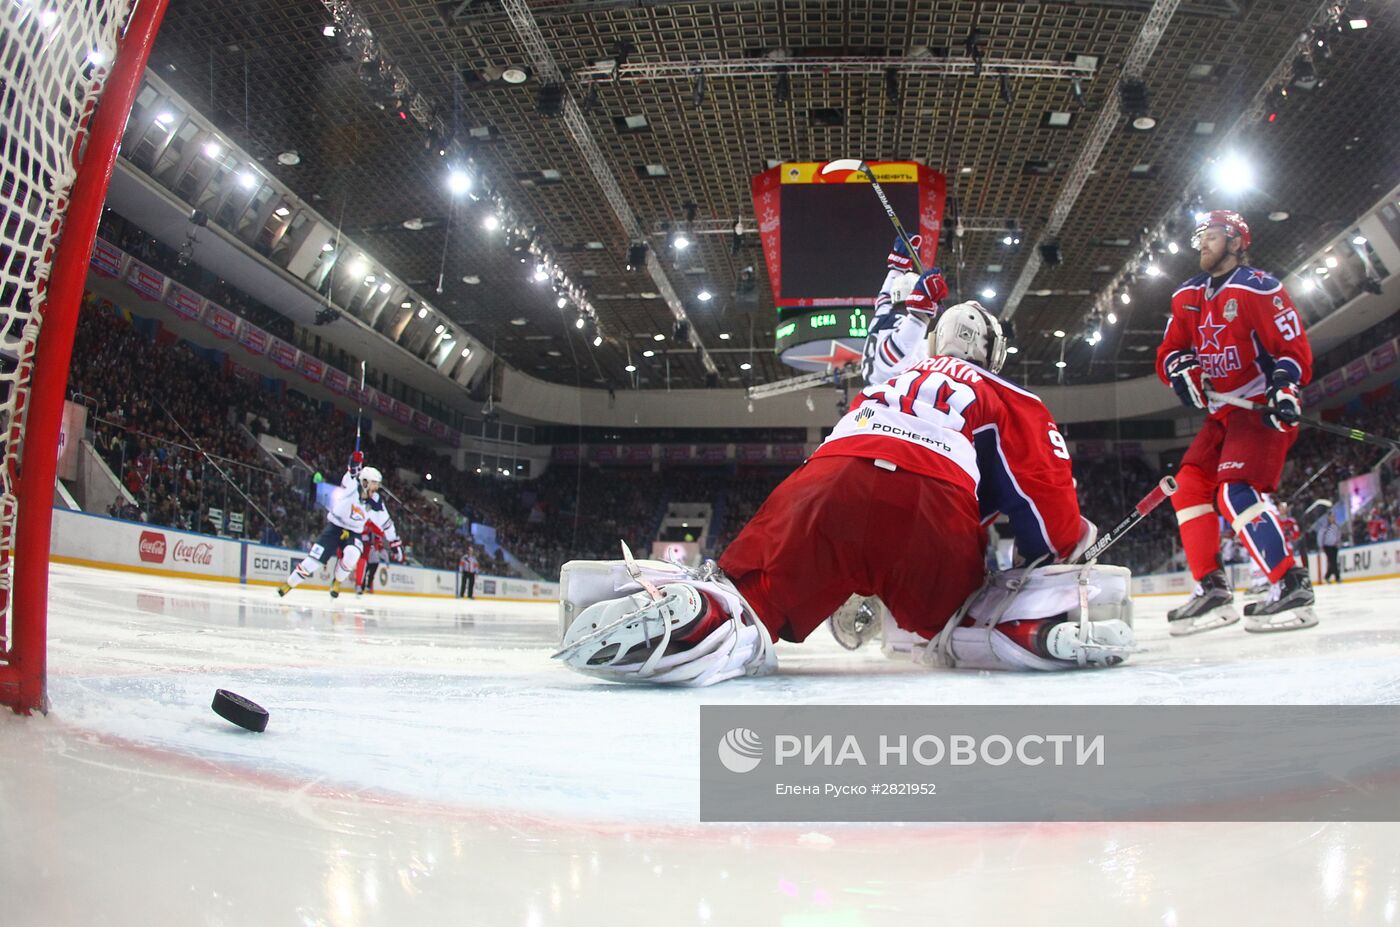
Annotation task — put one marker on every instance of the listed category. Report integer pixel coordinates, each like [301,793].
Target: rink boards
[114,544]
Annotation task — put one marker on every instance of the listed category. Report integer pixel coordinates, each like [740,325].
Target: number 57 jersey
[951,420]
[1240,332]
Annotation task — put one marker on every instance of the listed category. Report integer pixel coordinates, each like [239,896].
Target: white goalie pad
[740,646]
[1094,600]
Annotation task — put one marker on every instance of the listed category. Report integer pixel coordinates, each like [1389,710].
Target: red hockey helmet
[1232,222]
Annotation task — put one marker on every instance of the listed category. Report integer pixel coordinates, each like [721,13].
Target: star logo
[1257,276]
[839,355]
[1210,333]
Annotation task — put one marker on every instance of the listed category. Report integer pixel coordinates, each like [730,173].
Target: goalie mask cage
[69,70]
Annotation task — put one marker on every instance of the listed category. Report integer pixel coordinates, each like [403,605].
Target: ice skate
[854,622]
[1289,606]
[1208,608]
[335,588]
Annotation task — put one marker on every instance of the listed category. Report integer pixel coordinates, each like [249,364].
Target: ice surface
[426,762]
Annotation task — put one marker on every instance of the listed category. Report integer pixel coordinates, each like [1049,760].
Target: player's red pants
[841,525]
[1238,448]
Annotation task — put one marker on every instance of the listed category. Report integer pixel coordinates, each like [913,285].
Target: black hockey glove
[1284,408]
[1189,380]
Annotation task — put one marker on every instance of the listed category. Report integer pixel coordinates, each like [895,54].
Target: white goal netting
[54,57]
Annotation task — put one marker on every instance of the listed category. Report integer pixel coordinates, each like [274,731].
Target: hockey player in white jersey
[356,511]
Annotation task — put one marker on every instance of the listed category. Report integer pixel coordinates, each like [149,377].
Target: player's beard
[1227,262]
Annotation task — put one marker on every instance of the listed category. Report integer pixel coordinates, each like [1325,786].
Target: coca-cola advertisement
[151,547]
[197,552]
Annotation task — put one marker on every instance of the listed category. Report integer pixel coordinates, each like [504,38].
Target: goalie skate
[1208,608]
[855,622]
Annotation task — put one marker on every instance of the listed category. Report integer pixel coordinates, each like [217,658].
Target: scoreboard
[824,243]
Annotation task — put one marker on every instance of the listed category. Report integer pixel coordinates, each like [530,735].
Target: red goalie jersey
[1240,332]
[952,420]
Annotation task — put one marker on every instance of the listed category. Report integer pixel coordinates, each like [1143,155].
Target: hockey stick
[855,164]
[1354,434]
[360,410]
[1164,488]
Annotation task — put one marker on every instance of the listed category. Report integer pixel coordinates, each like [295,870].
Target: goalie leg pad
[624,621]
[1060,617]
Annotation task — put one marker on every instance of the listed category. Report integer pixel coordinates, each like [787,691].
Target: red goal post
[69,71]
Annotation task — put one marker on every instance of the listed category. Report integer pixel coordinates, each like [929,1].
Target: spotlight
[1358,23]
[541,273]
[1152,270]
[1061,364]
[1359,240]
[989,293]
[561,302]
[385,287]
[630,368]
[578,323]
[458,182]
[1058,333]
[328,31]
[491,222]
[1309,285]
[1112,318]
[597,341]
[746,366]
[213,150]
[1233,174]
[247,180]
[704,296]
[1125,298]
[658,337]
[357,267]
[648,353]
[422,312]
[1013,350]
[1173,247]
[1330,261]
[680,241]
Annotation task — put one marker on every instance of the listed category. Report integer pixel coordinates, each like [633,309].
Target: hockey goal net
[68,72]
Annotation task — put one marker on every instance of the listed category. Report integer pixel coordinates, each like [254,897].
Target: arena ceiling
[266,72]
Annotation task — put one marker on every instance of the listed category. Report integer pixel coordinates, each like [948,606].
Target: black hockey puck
[233,707]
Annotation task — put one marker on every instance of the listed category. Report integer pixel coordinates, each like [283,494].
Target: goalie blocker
[654,622]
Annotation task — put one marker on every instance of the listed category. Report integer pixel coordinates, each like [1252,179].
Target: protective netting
[54,57]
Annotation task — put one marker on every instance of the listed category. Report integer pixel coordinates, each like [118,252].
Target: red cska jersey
[1239,333]
[952,420]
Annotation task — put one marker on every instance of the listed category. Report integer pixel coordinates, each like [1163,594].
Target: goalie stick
[1164,488]
[855,164]
[1355,434]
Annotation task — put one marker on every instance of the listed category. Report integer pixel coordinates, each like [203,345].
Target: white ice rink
[426,763]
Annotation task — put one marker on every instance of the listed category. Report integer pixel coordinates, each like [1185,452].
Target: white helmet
[370,475]
[970,332]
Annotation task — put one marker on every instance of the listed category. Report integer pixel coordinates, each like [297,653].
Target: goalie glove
[357,463]
[899,258]
[1284,408]
[1188,379]
[396,550]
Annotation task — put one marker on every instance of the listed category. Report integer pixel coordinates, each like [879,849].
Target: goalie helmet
[970,332]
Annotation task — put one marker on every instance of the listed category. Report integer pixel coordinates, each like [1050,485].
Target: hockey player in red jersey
[1234,331]
[892,504]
